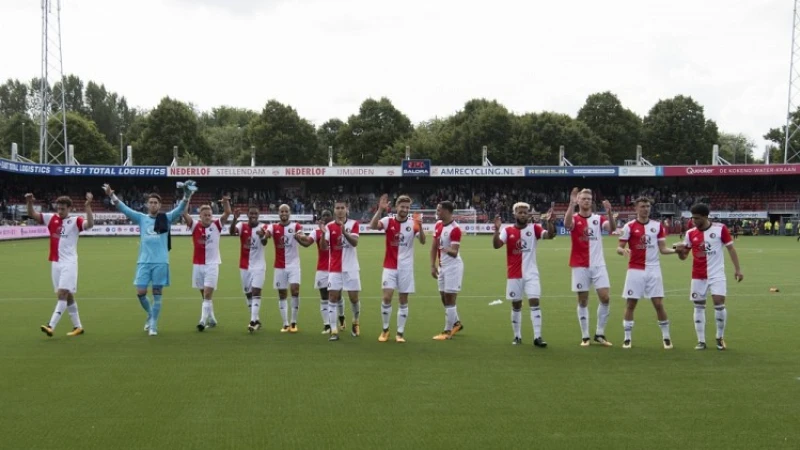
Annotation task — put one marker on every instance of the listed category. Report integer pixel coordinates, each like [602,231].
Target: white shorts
[282,278]
[253,278]
[65,276]
[585,277]
[401,281]
[204,276]
[700,288]
[344,281]
[646,283]
[321,279]
[450,278]
[518,288]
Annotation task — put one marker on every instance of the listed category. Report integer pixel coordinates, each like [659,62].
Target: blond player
[645,240]
[588,262]
[287,275]
[206,235]
[521,241]
[252,267]
[450,270]
[706,241]
[64,230]
[398,262]
[341,237]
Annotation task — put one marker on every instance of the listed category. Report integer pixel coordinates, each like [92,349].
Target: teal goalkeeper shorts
[150,273]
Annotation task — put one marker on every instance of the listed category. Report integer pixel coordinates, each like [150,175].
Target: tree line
[674,131]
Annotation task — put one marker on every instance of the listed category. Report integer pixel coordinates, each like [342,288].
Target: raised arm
[179,210]
[611,223]
[383,205]
[185,214]
[132,215]
[352,238]
[497,242]
[89,215]
[422,237]
[550,225]
[325,238]
[233,230]
[226,203]
[568,217]
[31,211]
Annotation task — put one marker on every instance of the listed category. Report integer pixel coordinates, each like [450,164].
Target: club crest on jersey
[652,230]
[408,229]
[290,231]
[712,235]
[594,222]
[528,233]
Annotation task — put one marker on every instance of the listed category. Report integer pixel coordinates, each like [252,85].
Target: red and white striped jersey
[63,237]
[521,244]
[206,242]
[399,242]
[643,238]
[287,250]
[447,235]
[709,262]
[251,255]
[323,256]
[343,255]
[587,241]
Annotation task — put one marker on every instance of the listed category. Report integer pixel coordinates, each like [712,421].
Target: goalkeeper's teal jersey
[153,246]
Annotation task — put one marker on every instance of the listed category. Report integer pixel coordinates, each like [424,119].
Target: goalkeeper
[152,267]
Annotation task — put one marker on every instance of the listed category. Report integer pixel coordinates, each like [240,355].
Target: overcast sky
[429,57]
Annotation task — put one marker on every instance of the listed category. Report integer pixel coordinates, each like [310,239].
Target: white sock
[255,308]
[61,306]
[450,316]
[205,311]
[664,325]
[211,316]
[700,322]
[516,322]
[340,308]
[721,316]
[73,315]
[536,318]
[282,304]
[603,310]
[583,320]
[332,315]
[356,310]
[295,309]
[402,316]
[627,325]
[386,314]
[323,311]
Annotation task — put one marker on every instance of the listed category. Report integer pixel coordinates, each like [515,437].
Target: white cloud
[428,57]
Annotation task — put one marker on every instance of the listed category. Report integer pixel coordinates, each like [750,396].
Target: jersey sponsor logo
[588,234]
[521,247]
[645,242]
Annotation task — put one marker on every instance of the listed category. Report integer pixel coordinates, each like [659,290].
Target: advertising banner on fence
[285,171]
[731,215]
[479,171]
[91,171]
[732,170]
[571,171]
[637,171]
[7,233]
[416,168]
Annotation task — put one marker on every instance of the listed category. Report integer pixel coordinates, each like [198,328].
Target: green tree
[73,94]
[481,122]
[90,146]
[538,137]
[229,144]
[224,116]
[13,98]
[282,137]
[619,127]
[13,128]
[171,123]
[736,148]
[375,128]
[676,132]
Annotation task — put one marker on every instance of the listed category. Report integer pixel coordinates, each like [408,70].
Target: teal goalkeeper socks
[145,303]
[156,310]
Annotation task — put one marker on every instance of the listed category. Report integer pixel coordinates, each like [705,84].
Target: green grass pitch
[115,387]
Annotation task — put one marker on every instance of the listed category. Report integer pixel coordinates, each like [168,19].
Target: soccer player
[450,270]
[64,231]
[341,237]
[587,260]
[285,235]
[152,266]
[252,268]
[321,277]
[521,241]
[645,239]
[206,234]
[706,241]
[398,262]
